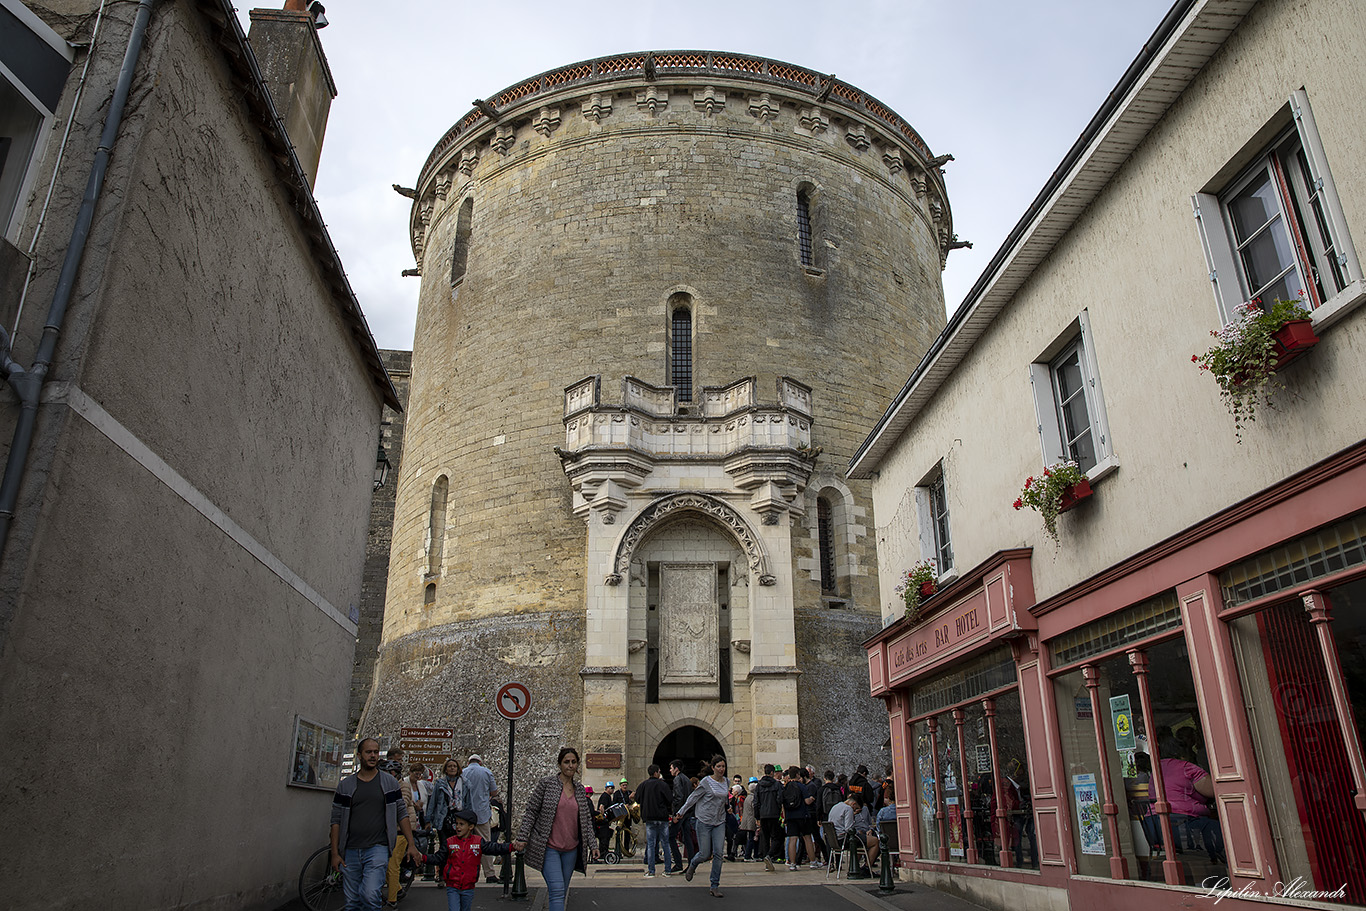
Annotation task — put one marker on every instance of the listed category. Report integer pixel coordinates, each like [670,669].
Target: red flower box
[1074,495]
[926,589]
[1291,340]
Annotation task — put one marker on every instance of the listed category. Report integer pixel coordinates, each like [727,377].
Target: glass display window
[1112,756]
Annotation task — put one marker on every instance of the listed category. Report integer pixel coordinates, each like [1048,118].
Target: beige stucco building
[183,557]
[1200,614]
[663,298]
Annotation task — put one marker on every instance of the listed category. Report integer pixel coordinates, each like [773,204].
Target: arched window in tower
[804,226]
[825,530]
[436,529]
[460,255]
[680,348]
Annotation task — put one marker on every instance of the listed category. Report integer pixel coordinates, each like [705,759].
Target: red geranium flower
[1018,503]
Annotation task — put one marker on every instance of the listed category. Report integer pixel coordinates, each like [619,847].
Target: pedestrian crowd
[776,817]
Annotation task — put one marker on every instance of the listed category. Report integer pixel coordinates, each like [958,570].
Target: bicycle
[320,887]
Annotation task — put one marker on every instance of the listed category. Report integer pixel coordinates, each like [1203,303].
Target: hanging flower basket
[916,585]
[1250,349]
[1074,494]
[1293,339]
[1059,488]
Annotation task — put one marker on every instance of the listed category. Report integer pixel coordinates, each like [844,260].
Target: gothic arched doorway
[690,744]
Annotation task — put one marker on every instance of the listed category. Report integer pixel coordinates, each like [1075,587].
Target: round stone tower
[664,298]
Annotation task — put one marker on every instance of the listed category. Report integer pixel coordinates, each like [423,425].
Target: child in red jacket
[458,861]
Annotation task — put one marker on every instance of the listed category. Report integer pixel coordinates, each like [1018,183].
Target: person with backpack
[797,811]
[768,806]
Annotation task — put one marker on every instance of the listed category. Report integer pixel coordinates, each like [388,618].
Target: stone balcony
[764,448]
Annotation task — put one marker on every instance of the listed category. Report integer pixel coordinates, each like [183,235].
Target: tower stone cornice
[663,86]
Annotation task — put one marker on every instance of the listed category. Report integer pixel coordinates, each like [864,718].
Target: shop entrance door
[1316,758]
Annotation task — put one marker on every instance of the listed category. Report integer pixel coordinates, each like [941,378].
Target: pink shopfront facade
[1059,744]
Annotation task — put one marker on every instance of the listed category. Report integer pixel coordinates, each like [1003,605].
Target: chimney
[295,69]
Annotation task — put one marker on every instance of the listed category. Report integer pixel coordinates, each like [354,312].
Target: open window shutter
[1046,413]
[1323,181]
[1223,271]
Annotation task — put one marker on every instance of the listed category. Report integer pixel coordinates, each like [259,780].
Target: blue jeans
[459,899]
[657,836]
[558,868]
[711,842]
[363,877]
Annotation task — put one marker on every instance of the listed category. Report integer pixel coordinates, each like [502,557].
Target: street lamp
[382,466]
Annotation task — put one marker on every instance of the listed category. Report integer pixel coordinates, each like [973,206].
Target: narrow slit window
[804,227]
[464,227]
[680,350]
[825,531]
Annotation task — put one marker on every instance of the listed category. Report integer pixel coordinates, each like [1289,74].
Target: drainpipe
[28,384]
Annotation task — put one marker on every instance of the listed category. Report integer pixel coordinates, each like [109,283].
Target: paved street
[746,887]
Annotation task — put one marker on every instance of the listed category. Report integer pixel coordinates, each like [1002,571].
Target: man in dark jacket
[768,805]
[656,806]
[682,787]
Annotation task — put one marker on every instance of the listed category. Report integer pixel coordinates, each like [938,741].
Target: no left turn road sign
[513,700]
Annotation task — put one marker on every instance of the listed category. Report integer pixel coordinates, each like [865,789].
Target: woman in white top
[709,797]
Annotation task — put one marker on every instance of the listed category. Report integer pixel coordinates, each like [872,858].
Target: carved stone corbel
[546,121]
[597,107]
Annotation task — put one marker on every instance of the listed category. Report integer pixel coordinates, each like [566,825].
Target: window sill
[946,577]
[1339,305]
[1103,469]
[813,271]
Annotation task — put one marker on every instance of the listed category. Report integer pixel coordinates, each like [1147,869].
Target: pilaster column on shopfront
[1172,873]
[1320,617]
[1004,856]
[969,836]
[1119,865]
[933,724]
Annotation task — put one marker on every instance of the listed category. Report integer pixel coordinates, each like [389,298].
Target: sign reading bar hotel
[938,638]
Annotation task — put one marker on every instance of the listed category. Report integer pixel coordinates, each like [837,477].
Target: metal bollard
[505,871]
[885,882]
[519,881]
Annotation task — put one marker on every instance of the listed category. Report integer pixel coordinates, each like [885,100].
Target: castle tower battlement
[691,228]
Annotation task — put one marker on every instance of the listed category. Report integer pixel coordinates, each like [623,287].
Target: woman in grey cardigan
[557,828]
[710,799]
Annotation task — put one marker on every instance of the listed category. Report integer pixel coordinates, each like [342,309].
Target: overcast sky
[1004,86]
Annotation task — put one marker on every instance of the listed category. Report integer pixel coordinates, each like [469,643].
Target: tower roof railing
[823,88]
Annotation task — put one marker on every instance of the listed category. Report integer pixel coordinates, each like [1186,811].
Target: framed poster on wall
[316,755]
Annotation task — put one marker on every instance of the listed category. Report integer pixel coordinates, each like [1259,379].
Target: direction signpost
[513,701]
[429,746]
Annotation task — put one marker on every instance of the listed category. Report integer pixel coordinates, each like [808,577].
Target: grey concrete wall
[147,648]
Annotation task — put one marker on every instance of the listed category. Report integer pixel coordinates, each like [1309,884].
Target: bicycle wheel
[320,887]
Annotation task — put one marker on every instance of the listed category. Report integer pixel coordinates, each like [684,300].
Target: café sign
[942,636]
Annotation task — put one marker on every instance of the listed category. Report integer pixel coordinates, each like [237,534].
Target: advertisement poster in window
[1090,820]
[927,801]
[955,813]
[316,756]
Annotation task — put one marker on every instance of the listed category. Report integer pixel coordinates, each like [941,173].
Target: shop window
[1068,401]
[1300,739]
[1133,756]
[1280,228]
[1133,624]
[970,760]
[1321,553]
